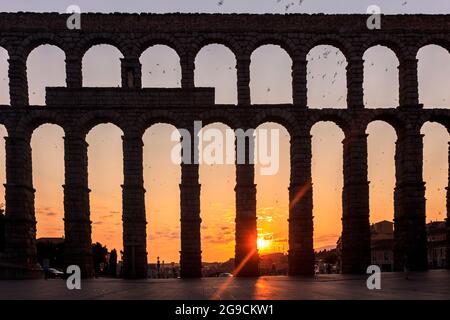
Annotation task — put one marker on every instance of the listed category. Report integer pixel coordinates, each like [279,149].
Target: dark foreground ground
[428,285]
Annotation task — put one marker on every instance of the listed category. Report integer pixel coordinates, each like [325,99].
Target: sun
[263,243]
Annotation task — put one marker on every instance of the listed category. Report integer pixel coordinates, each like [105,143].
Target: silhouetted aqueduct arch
[133,109]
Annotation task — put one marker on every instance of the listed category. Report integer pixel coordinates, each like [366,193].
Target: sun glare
[263,244]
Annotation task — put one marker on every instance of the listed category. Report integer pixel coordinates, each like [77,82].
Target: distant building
[382,245]
[437,244]
[50,252]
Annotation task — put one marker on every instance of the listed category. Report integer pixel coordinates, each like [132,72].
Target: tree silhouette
[99,253]
[113,262]
[53,252]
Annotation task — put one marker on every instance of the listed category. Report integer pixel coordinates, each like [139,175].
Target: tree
[331,257]
[99,253]
[113,262]
[52,252]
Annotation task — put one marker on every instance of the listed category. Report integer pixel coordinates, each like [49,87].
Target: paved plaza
[428,285]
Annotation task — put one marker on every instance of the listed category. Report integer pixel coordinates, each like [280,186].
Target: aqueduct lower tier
[134,109]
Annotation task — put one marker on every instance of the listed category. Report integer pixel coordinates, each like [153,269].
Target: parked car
[225,275]
[54,273]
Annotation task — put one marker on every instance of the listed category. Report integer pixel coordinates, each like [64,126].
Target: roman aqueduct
[134,109]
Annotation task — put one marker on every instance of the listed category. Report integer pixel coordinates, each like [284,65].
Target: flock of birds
[291,4]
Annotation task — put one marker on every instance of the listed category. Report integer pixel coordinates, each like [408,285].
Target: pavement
[433,284]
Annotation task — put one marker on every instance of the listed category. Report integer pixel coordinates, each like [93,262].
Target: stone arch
[383,174]
[172,60]
[273,180]
[391,118]
[93,118]
[37,40]
[217,185]
[432,69]
[381,81]
[148,119]
[318,74]
[220,116]
[49,57]
[48,172]
[5,123]
[119,52]
[435,168]
[340,119]
[224,78]
[438,40]
[442,118]
[335,41]
[280,117]
[105,176]
[204,41]
[94,40]
[161,178]
[288,45]
[158,39]
[36,118]
[328,186]
[284,90]
[386,41]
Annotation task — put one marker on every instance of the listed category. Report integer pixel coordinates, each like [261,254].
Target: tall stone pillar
[355,78]
[301,249]
[131,71]
[409,92]
[191,254]
[243,79]
[187,62]
[246,250]
[74,77]
[18,82]
[77,223]
[356,255]
[448,216]
[410,241]
[299,82]
[133,205]
[20,257]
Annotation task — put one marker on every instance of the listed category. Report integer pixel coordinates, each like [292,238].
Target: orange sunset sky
[270,83]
